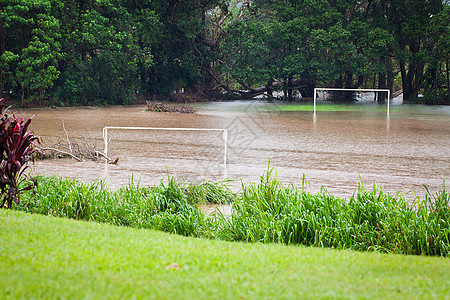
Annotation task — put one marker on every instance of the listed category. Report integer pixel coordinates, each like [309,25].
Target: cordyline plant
[16,147]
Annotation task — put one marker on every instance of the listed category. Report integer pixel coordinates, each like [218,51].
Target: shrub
[163,207]
[268,212]
[16,147]
[369,220]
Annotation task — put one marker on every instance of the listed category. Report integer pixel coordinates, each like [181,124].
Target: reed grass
[268,212]
[207,192]
[369,220]
[163,207]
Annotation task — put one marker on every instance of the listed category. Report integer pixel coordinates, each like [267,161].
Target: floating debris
[159,107]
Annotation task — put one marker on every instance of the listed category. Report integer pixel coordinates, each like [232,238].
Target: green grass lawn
[331,107]
[46,257]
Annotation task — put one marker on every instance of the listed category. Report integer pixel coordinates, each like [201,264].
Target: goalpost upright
[353,90]
[225,135]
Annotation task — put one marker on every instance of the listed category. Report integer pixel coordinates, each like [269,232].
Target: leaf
[15,149]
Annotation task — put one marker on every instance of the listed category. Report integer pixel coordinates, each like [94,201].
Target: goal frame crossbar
[225,135]
[353,90]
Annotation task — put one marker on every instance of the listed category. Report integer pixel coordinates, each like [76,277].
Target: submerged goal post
[225,135]
[353,90]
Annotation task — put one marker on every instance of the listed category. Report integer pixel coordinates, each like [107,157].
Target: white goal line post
[353,90]
[225,135]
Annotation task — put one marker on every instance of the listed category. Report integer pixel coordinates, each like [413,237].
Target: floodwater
[336,150]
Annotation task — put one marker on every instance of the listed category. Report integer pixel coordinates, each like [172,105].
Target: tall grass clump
[207,192]
[163,207]
[268,212]
[369,220]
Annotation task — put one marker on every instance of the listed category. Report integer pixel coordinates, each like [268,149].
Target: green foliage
[101,52]
[105,47]
[267,212]
[169,207]
[207,192]
[114,51]
[250,58]
[344,44]
[317,42]
[369,220]
[417,26]
[30,58]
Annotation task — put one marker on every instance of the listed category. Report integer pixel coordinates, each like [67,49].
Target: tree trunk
[339,83]
[290,88]
[2,50]
[406,83]
[381,85]
[348,80]
[270,87]
[433,77]
[448,74]
[374,82]
[390,78]
[414,76]
[23,94]
[418,78]
[359,82]
[306,87]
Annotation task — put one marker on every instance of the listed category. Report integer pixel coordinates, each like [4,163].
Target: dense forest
[80,52]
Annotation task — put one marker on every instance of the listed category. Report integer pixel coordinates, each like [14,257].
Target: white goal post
[353,90]
[225,135]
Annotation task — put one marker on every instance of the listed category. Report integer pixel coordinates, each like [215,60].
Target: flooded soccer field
[334,149]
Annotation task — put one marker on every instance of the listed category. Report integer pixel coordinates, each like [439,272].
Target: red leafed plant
[16,147]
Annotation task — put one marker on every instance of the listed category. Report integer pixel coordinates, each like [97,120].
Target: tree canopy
[79,52]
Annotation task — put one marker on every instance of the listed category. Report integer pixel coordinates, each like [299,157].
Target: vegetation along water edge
[267,212]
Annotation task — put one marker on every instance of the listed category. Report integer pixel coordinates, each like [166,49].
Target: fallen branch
[60,151]
[67,137]
[108,159]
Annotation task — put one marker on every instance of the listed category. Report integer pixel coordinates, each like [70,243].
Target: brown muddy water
[336,150]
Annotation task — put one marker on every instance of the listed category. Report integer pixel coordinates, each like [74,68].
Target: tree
[349,44]
[436,76]
[314,43]
[250,51]
[104,47]
[410,22]
[113,51]
[185,50]
[29,47]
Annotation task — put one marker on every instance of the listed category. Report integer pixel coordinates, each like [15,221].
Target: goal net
[167,142]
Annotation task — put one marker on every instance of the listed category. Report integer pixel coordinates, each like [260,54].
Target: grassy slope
[49,257]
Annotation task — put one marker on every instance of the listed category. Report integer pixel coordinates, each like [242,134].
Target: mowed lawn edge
[47,257]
